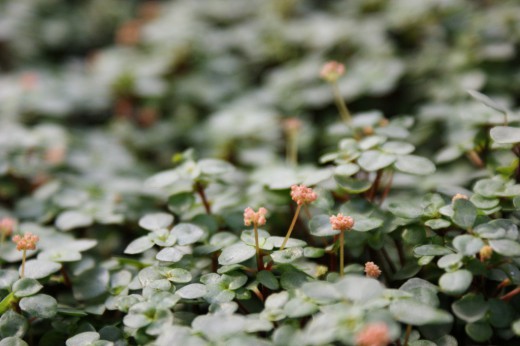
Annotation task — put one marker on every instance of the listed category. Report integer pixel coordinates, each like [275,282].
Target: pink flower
[332,70]
[292,125]
[458,196]
[302,194]
[257,218]
[485,252]
[375,334]
[27,242]
[372,270]
[341,223]
[7,225]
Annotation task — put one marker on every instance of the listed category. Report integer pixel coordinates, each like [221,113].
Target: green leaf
[187,233]
[26,287]
[406,210]
[470,308]
[267,278]
[178,275]
[496,229]
[288,255]
[505,134]
[192,291]
[171,254]
[156,221]
[464,213]
[506,247]
[321,292]
[516,327]
[501,313]
[352,185]
[60,255]
[488,187]
[456,283]
[482,202]
[431,250]
[313,252]
[398,148]
[414,165]
[8,278]
[374,160]
[139,245]
[13,324]
[365,225]
[358,288]
[486,100]
[437,223]
[181,202]
[446,340]
[346,170]
[72,219]
[83,339]
[218,327]
[479,331]
[298,307]
[467,245]
[236,253]
[291,242]
[91,283]
[214,166]
[412,312]
[12,341]
[39,269]
[320,226]
[40,305]
[450,262]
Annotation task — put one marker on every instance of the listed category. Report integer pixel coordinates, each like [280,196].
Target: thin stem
[259,262]
[375,186]
[407,335]
[511,294]
[24,254]
[340,103]
[341,253]
[4,234]
[200,190]
[292,148]
[475,158]
[387,188]
[288,235]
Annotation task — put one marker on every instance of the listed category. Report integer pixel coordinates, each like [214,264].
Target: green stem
[340,103]
[24,254]
[292,149]
[288,235]
[4,234]
[341,253]
[259,262]
[407,335]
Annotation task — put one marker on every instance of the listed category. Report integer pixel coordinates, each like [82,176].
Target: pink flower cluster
[375,334]
[341,223]
[7,225]
[302,194]
[458,196]
[292,124]
[27,242]
[332,70]
[257,218]
[372,270]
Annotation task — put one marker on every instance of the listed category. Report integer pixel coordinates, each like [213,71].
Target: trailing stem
[288,235]
[200,190]
[340,103]
[24,255]
[259,262]
[341,253]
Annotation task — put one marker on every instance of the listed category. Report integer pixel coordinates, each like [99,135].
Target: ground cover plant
[284,172]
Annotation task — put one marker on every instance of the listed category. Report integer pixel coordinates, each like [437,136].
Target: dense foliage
[260,172]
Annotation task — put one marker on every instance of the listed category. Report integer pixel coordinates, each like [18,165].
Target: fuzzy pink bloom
[332,70]
[341,223]
[257,218]
[302,194]
[292,125]
[458,196]
[27,242]
[375,334]
[7,225]
[372,270]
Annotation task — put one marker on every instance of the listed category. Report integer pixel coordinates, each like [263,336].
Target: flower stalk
[341,223]
[301,194]
[257,219]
